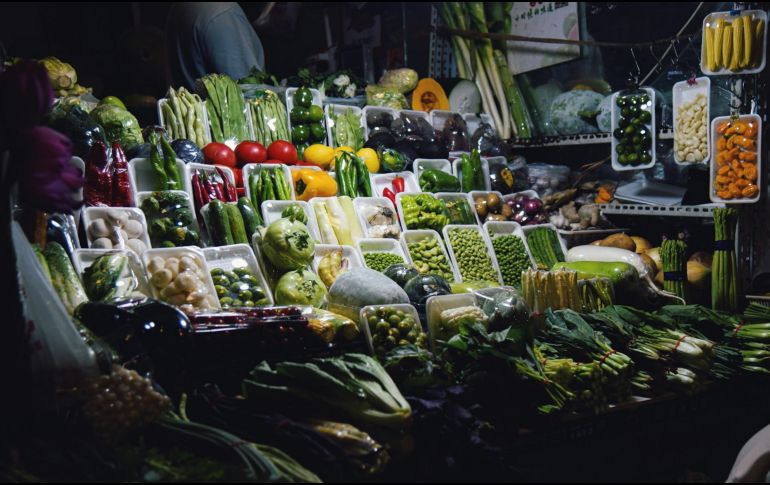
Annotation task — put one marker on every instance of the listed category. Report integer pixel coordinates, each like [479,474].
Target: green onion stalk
[673,258]
[724,279]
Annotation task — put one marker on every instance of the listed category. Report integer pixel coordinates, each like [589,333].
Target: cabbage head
[288,245]
[119,125]
[301,287]
[403,80]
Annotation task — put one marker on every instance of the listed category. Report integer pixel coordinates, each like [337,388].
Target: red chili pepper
[398,184]
[208,185]
[228,188]
[98,186]
[122,196]
[205,197]
[197,196]
[386,192]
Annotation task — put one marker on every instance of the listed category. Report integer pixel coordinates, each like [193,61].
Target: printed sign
[553,20]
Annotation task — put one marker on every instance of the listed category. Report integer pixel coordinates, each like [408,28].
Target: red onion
[521,217]
[532,206]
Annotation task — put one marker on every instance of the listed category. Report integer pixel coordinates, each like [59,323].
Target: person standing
[210,37]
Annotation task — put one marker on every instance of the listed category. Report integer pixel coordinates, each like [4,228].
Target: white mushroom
[136,245]
[188,263]
[133,228]
[102,243]
[172,264]
[99,228]
[118,217]
[162,278]
[156,264]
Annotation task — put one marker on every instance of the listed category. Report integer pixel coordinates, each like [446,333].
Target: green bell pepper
[434,180]
[303,97]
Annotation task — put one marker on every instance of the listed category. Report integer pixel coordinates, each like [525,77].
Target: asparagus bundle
[673,258]
[724,280]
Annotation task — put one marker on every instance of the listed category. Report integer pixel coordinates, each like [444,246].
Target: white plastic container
[197,255]
[435,305]
[289,96]
[483,193]
[474,120]
[528,229]
[348,252]
[194,225]
[272,209]
[421,164]
[79,164]
[83,258]
[237,256]
[338,109]
[504,228]
[390,246]
[143,179]
[715,165]
[204,121]
[452,196]
[363,204]
[91,214]
[649,107]
[385,180]
[488,245]
[354,223]
[684,92]
[417,235]
[376,109]
[210,170]
[256,167]
[363,321]
[456,165]
[710,21]
[415,114]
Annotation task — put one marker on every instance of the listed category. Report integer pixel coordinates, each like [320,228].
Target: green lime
[316,114]
[645,116]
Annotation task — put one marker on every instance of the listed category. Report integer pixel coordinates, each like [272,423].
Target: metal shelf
[575,140]
[701,211]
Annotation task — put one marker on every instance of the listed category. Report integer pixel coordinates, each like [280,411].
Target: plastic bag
[119,125]
[503,307]
[389,97]
[58,353]
[548,179]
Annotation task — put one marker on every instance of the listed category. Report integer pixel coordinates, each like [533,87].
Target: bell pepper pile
[471,174]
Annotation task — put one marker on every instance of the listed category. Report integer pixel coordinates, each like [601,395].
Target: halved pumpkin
[429,95]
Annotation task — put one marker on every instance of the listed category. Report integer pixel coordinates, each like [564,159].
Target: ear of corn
[737,55]
[727,46]
[748,41]
[717,48]
[710,62]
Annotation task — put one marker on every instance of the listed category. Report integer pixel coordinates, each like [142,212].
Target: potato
[621,241]
[172,264]
[161,279]
[187,263]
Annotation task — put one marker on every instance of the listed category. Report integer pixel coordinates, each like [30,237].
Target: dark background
[118,48]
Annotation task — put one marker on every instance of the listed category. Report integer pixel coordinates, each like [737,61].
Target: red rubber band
[607,355]
[737,329]
[679,342]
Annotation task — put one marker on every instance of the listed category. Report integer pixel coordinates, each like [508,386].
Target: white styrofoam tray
[449,196]
[348,252]
[194,225]
[417,235]
[205,121]
[363,321]
[435,305]
[650,192]
[474,121]
[684,92]
[456,165]
[289,97]
[272,209]
[355,223]
[142,176]
[83,258]
[562,243]
[715,166]
[490,251]
[501,228]
[650,107]
[482,193]
[376,109]
[193,252]
[710,20]
[237,256]
[361,204]
[421,164]
[374,245]
[385,180]
[338,109]
[400,207]
[90,214]
[257,167]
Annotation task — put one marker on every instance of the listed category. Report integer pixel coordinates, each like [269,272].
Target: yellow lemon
[321,155]
[371,159]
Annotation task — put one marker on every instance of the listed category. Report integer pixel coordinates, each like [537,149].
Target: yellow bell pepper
[313,183]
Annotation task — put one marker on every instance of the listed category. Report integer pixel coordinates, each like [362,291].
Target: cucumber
[43,263]
[65,280]
[218,224]
[251,219]
[237,228]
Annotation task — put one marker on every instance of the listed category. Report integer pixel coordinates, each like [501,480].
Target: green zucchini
[218,224]
[43,263]
[237,228]
[64,278]
[251,218]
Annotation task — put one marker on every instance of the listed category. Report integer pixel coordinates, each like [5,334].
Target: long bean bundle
[672,256]
[724,281]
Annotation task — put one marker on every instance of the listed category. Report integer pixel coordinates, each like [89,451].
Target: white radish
[607,255]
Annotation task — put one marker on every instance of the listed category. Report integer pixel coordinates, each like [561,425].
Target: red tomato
[219,154]
[238,174]
[250,152]
[283,151]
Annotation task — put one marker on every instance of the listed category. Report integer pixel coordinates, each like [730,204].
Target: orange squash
[429,95]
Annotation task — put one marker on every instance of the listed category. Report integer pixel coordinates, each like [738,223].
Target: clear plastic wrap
[238,279]
[116,228]
[111,274]
[389,326]
[170,218]
[548,179]
[503,307]
[180,277]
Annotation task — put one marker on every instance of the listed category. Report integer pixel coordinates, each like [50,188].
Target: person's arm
[231,45]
